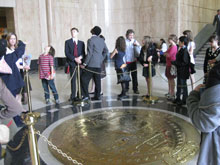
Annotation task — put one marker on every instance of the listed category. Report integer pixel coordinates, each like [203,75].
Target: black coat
[144,54]
[69,51]
[182,63]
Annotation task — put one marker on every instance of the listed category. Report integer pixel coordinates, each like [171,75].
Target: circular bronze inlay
[126,136]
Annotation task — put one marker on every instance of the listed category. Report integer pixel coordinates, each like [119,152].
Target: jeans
[131,67]
[49,83]
[181,89]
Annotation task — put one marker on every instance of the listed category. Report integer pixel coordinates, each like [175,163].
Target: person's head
[146,41]
[130,34]
[96,30]
[172,39]
[218,11]
[120,44]
[183,41]
[101,36]
[213,76]
[74,32]
[12,40]
[49,50]
[162,41]
[188,34]
[214,41]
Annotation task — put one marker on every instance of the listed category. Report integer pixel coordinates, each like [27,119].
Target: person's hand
[82,66]
[145,65]
[26,67]
[212,61]
[149,59]
[135,43]
[78,60]
[199,86]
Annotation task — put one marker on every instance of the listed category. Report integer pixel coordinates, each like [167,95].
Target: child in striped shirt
[47,73]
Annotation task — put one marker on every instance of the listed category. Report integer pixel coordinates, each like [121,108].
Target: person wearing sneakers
[171,56]
[46,73]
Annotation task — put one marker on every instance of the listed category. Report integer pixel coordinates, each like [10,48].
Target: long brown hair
[8,38]
[147,42]
[120,44]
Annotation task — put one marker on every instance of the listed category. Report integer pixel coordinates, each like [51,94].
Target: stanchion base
[151,100]
[80,103]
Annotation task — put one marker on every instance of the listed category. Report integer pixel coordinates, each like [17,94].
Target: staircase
[200,57]
[201,41]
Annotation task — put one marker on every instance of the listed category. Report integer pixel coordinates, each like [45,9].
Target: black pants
[131,67]
[87,76]
[73,82]
[181,89]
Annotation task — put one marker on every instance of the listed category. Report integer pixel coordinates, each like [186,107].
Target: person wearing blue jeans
[46,84]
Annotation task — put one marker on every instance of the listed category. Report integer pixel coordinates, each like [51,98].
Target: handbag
[173,70]
[4,135]
[4,67]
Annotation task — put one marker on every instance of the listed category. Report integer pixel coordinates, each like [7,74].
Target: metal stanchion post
[151,99]
[81,102]
[30,119]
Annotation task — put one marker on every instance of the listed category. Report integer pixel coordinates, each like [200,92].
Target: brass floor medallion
[126,137]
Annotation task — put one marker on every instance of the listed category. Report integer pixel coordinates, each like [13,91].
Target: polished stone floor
[53,115]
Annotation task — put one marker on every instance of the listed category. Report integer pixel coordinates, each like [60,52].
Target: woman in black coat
[148,54]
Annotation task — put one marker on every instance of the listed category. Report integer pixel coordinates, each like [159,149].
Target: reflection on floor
[129,123]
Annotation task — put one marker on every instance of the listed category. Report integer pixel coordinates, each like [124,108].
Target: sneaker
[57,101]
[136,92]
[167,95]
[47,101]
[171,98]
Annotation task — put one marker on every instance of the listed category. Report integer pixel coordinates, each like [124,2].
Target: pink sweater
[171,54]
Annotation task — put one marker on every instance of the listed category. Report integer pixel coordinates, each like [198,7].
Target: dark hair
[2,50]
[173,37]
[213,37]
[101,36]
[129,31]
[51,51]
[4,36]
[184,39]
[188,34]
[120,44]
[162,40]
[74,28]
[218,10]
[8,38]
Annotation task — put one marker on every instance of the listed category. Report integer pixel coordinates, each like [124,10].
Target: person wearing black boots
[120,66]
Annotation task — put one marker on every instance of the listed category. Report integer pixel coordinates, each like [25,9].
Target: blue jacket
[14,81]
[204,111]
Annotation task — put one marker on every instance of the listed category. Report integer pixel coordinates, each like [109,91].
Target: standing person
[120,66]
[182,63]
[161,51]
[96,53]
[148,54]
[191,46]
[211,54]
[171,56]
[132,51]
[217,19]
[203,109]
[103,74]
[14,82]
[46,73]
[74,52]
